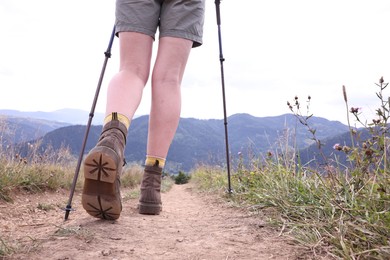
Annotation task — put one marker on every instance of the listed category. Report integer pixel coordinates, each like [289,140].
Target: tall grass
[342,213]
[51,170]
[349,221]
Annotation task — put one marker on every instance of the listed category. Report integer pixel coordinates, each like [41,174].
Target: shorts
[175,18]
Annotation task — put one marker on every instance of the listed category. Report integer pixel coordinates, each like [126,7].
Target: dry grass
[344,214]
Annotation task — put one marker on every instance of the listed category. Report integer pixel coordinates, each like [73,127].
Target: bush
[182,178]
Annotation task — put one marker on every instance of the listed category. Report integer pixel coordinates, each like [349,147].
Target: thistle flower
[354,110]
[289,105]
[337,147]
[369,152]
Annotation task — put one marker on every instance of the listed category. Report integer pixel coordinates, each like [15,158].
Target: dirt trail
[191,226]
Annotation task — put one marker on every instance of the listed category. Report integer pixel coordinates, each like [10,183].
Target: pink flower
[337,147]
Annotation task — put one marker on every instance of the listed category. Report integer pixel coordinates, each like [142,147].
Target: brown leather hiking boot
[150,200]
[102,168]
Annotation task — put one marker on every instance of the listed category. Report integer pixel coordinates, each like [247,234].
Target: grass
[349,221]
[344,214]
[77,231]
[5,249]
[34,177]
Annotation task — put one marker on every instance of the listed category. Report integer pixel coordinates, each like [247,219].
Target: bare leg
[164,116]
[167,75]
[125,89]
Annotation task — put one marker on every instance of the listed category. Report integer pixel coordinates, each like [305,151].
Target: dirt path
[191,226]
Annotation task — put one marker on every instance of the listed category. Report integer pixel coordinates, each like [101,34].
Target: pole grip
[217,9]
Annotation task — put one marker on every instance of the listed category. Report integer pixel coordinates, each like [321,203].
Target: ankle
[114,116]
[155,161]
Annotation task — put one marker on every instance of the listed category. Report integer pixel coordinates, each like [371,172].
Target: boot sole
[149,209]
[99,196]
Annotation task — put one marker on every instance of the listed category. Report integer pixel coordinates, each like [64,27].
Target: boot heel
[100,206]
[101,165]
[149,209]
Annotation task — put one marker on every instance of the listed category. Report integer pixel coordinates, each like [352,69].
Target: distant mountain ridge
[203,141]
[21,129]
[70,116]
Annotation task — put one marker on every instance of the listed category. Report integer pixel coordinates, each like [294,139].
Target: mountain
[20,129]
[203,141]
[69,116]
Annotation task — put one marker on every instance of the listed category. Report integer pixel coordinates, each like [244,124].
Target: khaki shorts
[175,18]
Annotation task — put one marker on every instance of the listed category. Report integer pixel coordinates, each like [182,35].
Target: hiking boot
[101,196]
[150,199]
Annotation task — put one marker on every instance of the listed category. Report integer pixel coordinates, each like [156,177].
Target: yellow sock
[155,161]
[116,116]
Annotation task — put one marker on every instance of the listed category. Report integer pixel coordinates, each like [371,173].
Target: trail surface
[191,226]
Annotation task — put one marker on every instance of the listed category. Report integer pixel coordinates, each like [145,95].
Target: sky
[52,53]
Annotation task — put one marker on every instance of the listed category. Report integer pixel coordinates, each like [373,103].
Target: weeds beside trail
[336,210]
[350,220]
[35,173]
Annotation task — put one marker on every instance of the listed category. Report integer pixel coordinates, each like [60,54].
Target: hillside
[203,141]
[22,129]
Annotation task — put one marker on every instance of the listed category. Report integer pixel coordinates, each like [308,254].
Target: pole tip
[229,191]
[68,209]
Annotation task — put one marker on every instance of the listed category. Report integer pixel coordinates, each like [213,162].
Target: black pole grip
[217,3]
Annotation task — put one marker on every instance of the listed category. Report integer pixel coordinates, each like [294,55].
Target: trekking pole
[91,114]
[221,60]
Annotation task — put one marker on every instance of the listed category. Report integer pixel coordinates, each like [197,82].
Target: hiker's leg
[103,165]
[125,89]
[166,96]
[167,75]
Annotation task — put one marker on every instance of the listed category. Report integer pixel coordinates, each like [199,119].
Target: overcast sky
[52,53]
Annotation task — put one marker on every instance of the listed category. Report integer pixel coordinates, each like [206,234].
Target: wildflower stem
[349,124]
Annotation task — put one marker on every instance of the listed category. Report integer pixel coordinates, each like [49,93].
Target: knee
[168,78]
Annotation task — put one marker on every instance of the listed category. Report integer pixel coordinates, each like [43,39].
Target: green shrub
[182,178]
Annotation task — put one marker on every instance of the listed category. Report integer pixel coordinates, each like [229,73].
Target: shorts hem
[122,28]
[196,39]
